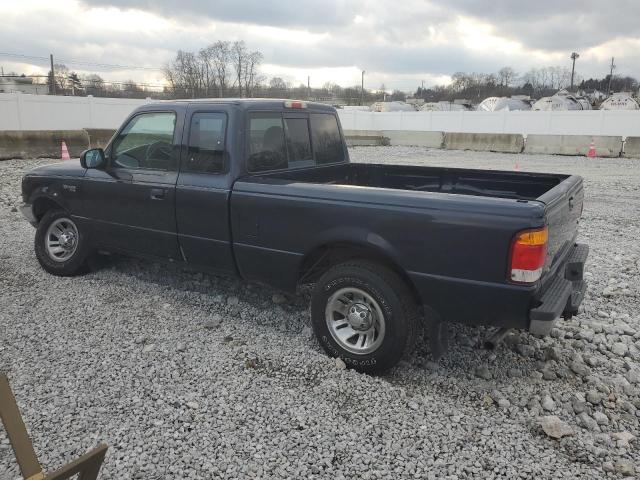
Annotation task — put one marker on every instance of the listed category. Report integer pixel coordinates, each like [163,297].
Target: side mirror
[93,158]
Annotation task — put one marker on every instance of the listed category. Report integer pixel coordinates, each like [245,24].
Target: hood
[68,168]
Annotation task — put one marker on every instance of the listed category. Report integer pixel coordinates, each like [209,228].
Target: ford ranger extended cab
[263,190]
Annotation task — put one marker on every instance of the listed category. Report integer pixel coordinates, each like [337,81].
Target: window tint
[206,143]
[327,143]
[298,142]
[146,142]
[266,142]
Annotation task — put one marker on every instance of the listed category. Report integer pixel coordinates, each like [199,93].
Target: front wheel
[61,247]
[365,314]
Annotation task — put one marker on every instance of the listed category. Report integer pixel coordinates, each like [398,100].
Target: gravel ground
[188,375]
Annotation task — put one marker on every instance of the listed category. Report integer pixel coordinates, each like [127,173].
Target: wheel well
[42,205]
[317,262]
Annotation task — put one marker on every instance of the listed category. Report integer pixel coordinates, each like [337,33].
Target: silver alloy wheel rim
[355,320]
[61,240]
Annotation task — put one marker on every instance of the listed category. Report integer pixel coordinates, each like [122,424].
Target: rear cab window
[283,140]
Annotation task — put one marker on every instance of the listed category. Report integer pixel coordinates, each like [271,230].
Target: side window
[327,143]
[146,142]
[206,143]
[266,142]
[298,142]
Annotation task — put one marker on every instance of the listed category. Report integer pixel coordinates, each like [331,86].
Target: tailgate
[563,208]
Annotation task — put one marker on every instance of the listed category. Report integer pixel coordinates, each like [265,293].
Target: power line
[79,62]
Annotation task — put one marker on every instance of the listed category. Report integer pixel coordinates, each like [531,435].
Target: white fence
[594,122]
[44,112]
[19,111]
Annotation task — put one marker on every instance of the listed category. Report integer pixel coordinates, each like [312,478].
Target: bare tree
[184,74]
[238,59]
[277,83]
[61,74]
[207,70]
[251,75]
[506,75]
[221,55]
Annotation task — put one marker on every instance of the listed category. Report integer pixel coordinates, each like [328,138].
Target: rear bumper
[562,295]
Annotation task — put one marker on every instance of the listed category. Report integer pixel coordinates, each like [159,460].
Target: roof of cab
[244,103]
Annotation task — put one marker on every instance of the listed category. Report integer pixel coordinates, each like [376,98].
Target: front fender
[41,194]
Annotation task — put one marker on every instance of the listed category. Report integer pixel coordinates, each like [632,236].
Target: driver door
[130,204]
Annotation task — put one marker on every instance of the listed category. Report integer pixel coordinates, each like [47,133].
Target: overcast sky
[398,42]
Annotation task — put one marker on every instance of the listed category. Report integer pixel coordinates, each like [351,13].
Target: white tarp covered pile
[620,101]
[501,104]
[392,107]
[562,100]
[443,106]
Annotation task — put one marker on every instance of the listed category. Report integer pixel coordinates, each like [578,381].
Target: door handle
[157,194]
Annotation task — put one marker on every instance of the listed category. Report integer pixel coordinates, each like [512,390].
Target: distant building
[595,96]
[22,85]
[417,102]
[562,101]
[620,101]
[501,104]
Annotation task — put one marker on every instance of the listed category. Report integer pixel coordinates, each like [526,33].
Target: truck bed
[485,183]
[449,229]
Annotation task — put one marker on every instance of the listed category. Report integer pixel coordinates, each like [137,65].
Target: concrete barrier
[394,137]
[632,147]
[41,143]
[99,137]
[414,139]
[364,138]
[487,142]
[573,145]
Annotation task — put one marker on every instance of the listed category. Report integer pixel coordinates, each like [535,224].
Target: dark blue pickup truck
[263,190]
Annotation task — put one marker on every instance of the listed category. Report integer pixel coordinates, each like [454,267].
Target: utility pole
[574,57]
[308,87]
[53,77]
[611,76]
[362,89]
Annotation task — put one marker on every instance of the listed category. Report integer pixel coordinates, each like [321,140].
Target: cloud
[278,13]
[553,25]
[398,43]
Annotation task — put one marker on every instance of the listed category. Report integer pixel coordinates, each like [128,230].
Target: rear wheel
[61,247]
[365,314]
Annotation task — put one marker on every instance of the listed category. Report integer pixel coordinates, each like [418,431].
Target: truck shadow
[518,356]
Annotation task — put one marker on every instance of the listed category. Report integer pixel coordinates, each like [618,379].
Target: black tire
[392,296]
[76,263]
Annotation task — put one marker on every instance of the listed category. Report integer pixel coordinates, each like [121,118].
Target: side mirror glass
[92,158]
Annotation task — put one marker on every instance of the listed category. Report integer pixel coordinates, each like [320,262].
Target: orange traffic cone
[592,149]
[65,152]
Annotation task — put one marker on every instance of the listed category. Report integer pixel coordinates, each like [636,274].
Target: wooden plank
[17,432]
[87,466]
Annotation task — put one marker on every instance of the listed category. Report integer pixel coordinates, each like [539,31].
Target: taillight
[528,252]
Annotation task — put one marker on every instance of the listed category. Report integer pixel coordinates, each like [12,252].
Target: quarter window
[298,142]
[327,143]
[146,142]
[206,143]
